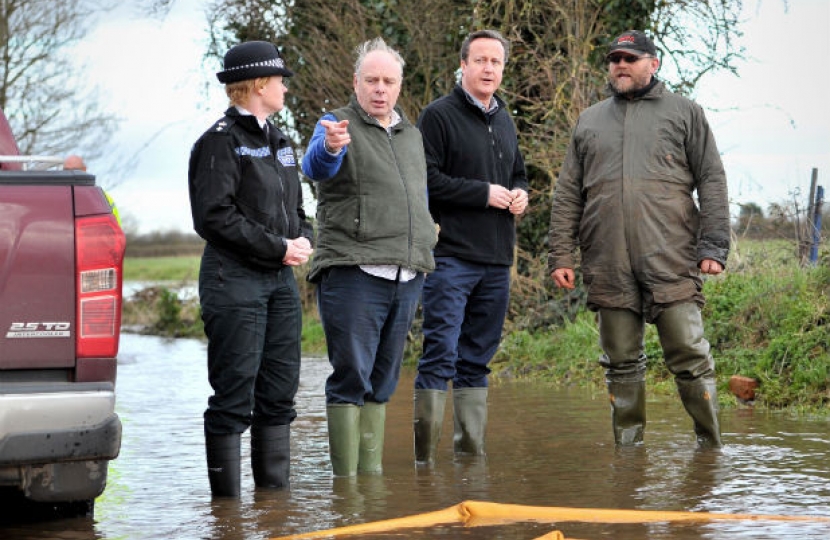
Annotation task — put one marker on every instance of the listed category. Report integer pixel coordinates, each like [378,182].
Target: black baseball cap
[632,42]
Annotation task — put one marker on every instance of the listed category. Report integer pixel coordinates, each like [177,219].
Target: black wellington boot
[271,456]
[223,464]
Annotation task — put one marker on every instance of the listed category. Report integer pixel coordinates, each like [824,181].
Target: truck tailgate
[37,277]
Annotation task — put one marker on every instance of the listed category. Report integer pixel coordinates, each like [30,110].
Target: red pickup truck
[61,261]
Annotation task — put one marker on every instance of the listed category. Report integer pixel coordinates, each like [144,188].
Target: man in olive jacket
[375,238]
[624,197]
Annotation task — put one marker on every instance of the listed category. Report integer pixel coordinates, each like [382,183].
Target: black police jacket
[245,191]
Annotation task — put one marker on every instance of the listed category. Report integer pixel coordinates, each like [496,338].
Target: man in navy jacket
[477,185]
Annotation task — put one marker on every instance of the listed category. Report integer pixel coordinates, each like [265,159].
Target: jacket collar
[251,125]
[463,96]
[653,91]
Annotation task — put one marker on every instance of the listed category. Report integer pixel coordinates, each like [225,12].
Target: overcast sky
[772,124]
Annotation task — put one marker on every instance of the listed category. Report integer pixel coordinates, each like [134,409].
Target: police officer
[246,201]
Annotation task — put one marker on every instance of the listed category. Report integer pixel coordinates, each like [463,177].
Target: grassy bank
[158,309]
[767,318]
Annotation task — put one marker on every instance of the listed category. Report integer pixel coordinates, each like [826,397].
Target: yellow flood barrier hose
[478,513]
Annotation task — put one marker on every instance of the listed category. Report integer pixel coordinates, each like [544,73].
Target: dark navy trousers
[366,320]
[465,305]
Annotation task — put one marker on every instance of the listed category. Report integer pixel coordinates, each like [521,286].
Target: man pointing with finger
[375,238]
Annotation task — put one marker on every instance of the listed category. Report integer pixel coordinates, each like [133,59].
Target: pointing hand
[337,135]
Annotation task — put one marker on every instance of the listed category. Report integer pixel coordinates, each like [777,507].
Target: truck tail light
[99,261]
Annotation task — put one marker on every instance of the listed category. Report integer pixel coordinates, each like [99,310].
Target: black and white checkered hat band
[274,63]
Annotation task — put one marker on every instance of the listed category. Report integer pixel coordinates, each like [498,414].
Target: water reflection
[546,447]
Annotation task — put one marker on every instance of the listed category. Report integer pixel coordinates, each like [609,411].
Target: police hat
[251,60]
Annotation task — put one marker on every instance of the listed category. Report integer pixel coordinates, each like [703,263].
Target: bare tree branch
[49,109]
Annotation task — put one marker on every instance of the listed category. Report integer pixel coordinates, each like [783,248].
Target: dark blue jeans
[464,309]
[253,322]
[366,320]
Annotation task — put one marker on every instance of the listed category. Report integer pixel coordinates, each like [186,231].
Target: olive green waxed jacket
[374,210]
[625,198]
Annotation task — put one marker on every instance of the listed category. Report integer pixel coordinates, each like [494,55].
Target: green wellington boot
[628,411]
[271,456]
[700,399]
[344,438]
[688,356]
[621,338]
[470,420]
[428,419]
[372,425]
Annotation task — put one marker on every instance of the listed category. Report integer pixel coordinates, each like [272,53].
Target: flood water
[546,447]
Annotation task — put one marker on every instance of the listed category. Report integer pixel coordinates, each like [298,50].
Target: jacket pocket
[379,217]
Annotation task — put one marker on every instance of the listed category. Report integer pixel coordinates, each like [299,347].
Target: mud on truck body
[61,259]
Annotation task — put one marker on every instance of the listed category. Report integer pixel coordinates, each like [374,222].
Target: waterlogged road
[547,447]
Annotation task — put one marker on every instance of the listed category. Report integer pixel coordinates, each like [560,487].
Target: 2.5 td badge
[38,330]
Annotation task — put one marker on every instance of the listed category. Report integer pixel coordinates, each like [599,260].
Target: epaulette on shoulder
[222,125]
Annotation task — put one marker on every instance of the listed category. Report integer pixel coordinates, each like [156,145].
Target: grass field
[162,268]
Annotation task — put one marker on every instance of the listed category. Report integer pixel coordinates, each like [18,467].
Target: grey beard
[635,90]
